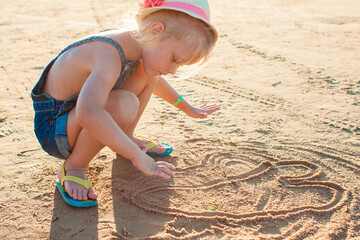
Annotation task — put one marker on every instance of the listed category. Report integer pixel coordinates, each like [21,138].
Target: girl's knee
[123,106]
[131,103]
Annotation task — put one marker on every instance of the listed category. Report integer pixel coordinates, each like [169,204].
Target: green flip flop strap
[150,145]
[85,183]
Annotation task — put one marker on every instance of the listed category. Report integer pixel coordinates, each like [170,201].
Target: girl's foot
[75,190]
[142,142]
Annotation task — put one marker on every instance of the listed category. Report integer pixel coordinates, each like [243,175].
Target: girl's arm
[165,91]
[92,116]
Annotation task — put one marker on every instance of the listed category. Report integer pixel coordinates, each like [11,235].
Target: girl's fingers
[162,175]
[210,106]
[204,110]
[211,109]
[167,171]
[203,105]
[168,165]
[163,169]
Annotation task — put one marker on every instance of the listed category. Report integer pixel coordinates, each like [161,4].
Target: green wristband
[179,100]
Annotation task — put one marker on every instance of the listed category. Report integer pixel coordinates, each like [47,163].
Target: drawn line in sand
[328,157]
[339,194]
[144,192]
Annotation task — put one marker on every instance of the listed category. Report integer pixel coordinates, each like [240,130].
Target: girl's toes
[74,194]
[92,193]
[157,149]
[160,149]
[70,192]
[84,196]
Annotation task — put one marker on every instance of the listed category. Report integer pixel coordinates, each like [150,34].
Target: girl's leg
[123,107]
[139,80]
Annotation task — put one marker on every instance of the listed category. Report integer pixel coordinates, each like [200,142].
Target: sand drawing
[238,183]
[280,160]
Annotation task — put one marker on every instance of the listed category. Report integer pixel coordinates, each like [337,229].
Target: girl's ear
[156,28]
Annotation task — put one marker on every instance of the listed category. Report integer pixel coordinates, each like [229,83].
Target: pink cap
[195,8]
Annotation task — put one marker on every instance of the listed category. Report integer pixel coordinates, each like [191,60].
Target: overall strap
[102,39]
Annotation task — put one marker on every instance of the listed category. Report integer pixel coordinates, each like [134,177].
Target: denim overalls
[51,114]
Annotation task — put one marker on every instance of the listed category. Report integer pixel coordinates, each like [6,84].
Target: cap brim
[147,11]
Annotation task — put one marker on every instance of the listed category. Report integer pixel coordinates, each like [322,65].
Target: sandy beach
[280,160]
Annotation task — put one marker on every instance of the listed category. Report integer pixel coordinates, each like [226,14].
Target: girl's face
[164,57]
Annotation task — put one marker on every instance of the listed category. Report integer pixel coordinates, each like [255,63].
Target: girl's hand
[149,167]
[203,111]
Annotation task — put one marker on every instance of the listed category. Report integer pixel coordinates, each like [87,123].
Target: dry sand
[279,161]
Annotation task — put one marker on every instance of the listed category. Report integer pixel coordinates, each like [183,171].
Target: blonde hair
[182,28]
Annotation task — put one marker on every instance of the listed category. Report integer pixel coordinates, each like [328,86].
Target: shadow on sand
[72,223]
[131,217]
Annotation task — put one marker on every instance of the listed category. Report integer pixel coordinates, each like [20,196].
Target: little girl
[94,92]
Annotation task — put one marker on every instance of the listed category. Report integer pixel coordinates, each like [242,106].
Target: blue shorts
[51,118]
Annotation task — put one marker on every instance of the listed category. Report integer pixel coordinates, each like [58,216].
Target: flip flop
[69,200]
[168,148]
